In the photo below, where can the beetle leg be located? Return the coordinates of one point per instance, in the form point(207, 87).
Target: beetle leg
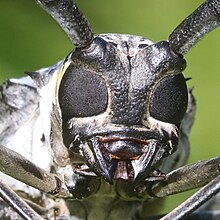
point(13, 164)
point(195, 201)
point(17, 203)
point(204, 215)
point(187, 177)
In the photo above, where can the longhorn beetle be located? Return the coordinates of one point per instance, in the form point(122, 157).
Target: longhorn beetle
point(110, 121)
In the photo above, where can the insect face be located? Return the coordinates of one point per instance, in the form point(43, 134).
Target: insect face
point(116, 110)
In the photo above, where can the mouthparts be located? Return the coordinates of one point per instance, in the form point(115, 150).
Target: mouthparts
point(127, 158)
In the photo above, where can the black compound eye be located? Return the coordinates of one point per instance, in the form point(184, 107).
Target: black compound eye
point(169, 99)
point(82, 93)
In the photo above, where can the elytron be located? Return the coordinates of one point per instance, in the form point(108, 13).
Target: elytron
point(110, 123)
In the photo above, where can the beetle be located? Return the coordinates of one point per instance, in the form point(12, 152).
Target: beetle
point(132, 139)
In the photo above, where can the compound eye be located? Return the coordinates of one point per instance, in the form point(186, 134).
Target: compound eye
point(82, 93)
point(169, 99)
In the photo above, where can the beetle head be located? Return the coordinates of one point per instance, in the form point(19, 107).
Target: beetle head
point(122, 100)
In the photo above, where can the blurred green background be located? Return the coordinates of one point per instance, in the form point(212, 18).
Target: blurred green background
point(30, 39)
